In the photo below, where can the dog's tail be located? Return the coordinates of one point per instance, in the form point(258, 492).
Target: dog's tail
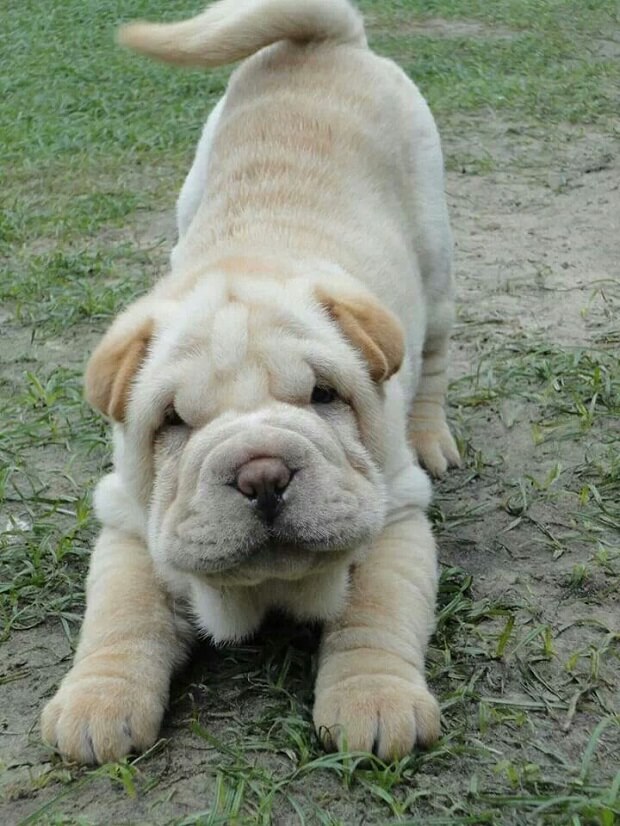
point(233, 29)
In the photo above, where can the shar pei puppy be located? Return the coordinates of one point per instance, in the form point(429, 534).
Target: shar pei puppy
point(271, 395)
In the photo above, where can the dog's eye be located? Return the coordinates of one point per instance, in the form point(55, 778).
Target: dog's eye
point(172, 418)
point(323, 395)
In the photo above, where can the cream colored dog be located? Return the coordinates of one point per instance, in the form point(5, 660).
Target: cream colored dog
point(263, 392)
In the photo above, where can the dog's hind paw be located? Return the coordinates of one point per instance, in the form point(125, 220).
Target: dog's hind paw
point(435, 446)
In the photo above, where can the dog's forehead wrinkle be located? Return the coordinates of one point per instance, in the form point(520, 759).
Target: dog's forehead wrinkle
point(229, 336)
point(292, 380)
point(247, 389)
point(241, 353)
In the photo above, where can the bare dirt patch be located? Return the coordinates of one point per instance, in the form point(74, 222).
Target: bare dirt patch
point(538, 245)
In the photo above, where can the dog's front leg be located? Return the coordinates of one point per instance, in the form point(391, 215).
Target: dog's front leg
point(112, 701)
point(371, 692)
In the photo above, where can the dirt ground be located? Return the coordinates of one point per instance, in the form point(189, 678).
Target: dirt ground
point(537, 248)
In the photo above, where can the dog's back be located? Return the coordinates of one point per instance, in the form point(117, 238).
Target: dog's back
point(315, 132)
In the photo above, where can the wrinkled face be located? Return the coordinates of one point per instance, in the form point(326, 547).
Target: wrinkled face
point(254, 432)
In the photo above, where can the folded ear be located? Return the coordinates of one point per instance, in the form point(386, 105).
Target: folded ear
point(112, 368)
point(371, 328)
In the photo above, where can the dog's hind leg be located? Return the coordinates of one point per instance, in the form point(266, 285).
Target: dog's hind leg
point(432, 239)
point(429, 433)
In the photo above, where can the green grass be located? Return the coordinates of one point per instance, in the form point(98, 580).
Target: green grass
point(530, 60)
point(526, 656)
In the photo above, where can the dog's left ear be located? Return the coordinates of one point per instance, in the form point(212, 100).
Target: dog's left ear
point(371, 328)
point(113, 366)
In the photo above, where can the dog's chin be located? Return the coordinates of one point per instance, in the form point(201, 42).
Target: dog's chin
point(271, 559)
point(231, 605)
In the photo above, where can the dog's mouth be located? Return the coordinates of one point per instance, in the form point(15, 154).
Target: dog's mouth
point(271, 518)
point(275, 556)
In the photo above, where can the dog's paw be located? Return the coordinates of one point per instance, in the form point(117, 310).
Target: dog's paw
point(385, 715)
point(436, 448)
point(98, 719)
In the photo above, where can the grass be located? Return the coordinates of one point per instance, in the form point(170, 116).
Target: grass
point(525, 659)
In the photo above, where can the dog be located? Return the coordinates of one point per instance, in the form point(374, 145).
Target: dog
point(271, 397)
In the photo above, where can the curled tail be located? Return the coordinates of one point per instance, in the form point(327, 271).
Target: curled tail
point(234, 29)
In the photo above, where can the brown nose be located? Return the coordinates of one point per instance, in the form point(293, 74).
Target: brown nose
point(263, 481)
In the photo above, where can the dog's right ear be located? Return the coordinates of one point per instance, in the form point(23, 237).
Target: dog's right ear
point(113, 367)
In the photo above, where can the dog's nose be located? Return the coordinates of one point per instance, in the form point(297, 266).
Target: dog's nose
point(264, 481)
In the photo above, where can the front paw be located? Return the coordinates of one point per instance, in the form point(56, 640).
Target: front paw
point(383, 714)
point(435, 447)
point(98, 719)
